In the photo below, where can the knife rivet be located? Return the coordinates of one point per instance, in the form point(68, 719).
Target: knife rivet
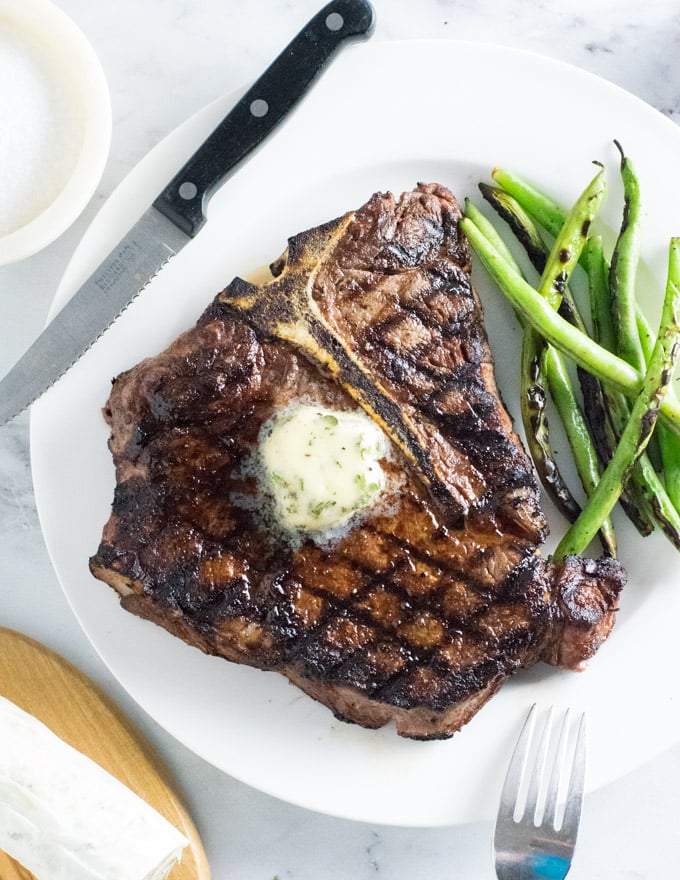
point(187, 190)
point(259, 107)
point(334, 21)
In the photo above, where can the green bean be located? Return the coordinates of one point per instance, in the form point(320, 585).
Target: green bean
point(670, 457)
point(635, 498)
point(635, 340)
point(657, 498)
point(578, 436)
point(521, 225)
point(646, 499)
point(603, 333)
point(622, 275)
point(537, 437)
point(525, 231)
point(559, 264)
point(536, 429)
point(669, 444)
point(643, 482)
point(489, 231)
point(623, 269)
point(640, 426)
point(634, 336)
point(534, 418)
point(569, 243)
point(541, 208)
point(570, 340)
point(533, 397)
point(598, 291)
point(646, 335)
point(601, 444)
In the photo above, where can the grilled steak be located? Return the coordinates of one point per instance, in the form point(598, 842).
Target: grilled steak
point(420, 611)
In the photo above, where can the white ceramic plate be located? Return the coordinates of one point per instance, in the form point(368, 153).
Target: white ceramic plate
point(384, 116)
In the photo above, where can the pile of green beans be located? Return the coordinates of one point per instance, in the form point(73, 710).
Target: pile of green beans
point(623, 373)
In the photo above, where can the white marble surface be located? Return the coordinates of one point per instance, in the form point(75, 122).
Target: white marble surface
point(164, 60)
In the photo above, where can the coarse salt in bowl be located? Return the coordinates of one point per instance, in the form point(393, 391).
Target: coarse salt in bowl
point(55, 128)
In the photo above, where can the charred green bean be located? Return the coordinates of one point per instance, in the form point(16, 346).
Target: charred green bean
point(559, 265)
point(623, 270)
point(640, 426)
point(536, 426)
point(542, 210)
point(576, 429)
point(635, 497)
point(537, 372)
point(601, 442)
point(570, 340)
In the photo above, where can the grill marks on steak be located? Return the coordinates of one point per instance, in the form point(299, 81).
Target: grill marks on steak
point(420, 613)
point(381, 299)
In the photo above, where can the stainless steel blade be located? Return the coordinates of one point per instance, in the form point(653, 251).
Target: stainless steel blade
point(151, 242)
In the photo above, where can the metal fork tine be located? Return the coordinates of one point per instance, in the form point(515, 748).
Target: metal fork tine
point(572, 813)
point(522, 848)
point(513, 778)
point(538, 769)
point(550, 812)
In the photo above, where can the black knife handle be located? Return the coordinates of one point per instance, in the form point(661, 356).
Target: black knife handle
point(260, 110)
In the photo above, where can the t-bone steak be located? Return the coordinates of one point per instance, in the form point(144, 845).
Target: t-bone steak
point(421, 610)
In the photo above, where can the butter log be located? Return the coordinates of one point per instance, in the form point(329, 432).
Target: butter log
point(65, 818)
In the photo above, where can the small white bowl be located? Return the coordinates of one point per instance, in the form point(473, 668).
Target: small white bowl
point(55, 39)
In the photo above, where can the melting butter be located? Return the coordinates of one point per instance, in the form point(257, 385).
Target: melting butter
point(322, 466)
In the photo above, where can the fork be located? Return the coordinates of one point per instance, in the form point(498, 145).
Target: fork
point(533, 839)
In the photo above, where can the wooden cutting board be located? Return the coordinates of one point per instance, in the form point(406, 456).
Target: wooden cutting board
point(44, 684)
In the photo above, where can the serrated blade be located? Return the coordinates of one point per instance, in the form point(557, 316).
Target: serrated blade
point(140, 255)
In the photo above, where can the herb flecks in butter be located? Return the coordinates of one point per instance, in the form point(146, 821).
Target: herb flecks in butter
point(322, 466)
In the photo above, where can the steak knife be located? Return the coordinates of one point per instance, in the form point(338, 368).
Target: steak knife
point(179, 212)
